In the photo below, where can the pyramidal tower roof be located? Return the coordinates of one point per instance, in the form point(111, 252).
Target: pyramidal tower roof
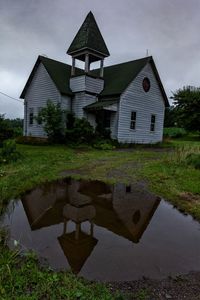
point(89, 37)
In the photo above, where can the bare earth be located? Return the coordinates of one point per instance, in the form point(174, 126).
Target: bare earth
point(184, 287)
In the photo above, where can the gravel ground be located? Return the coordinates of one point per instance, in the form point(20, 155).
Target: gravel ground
point(182, 287)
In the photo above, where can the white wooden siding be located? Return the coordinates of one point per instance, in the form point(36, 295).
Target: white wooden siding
point(86, 83)
point(66, 103)
point(145, 104)
point(40, 90)
point(81, 100)
point(94, 85)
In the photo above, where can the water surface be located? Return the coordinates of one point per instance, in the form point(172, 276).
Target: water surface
point(104, 232)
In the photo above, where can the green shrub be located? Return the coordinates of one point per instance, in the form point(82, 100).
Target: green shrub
point(9, 152)
point(174, 132)
point(6, 132)
point(193, 159)
point(70, 119)
point(102, 133)
point(52, 118)
point(82, 132)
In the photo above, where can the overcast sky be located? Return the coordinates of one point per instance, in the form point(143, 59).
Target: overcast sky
point(169, 29)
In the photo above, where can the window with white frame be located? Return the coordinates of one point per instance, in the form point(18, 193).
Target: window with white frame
point(133, 120)
point(153, 123)
point(31, 116)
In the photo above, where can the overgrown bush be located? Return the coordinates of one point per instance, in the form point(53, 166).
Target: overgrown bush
point(9, 152)
point(6, 132)
point(81, 132)
point(62, 126)
point(101, 132)
point(52, 118)
point(70, 119)
point(10, 128)
point(174, 132)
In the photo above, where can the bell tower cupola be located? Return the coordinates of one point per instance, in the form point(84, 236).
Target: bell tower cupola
point(88, 46)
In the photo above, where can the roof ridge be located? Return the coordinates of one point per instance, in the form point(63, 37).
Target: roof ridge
point(90, 16)
point(57, 61)
point(122, 63)
point(44, 57)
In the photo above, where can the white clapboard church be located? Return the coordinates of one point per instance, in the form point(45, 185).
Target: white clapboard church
point(129, 97)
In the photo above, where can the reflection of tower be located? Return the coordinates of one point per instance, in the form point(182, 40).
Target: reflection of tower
point(77, 245)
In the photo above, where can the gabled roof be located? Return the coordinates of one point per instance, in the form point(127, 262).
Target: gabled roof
point(116, 77)
point(59, 72)
point(89, 36)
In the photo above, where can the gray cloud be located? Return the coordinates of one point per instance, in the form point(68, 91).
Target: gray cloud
point(169, 29)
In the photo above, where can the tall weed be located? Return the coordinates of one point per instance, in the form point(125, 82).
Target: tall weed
point(9, 152)
point(185, 155)
point(174, 132)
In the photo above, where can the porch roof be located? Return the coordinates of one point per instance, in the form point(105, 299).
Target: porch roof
point(101, 104)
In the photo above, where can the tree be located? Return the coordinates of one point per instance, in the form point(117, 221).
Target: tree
point(170, 117)
point(16, 125)
point(6, 132)
point(53, 119)
point(187, 107)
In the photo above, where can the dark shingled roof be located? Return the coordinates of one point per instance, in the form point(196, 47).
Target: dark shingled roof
point(89, 36)
point(116, 77)
point(59, 72)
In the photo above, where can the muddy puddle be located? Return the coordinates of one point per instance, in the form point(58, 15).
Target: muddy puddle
point(104, 232)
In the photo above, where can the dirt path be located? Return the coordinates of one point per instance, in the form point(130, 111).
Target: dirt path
point(183, 287)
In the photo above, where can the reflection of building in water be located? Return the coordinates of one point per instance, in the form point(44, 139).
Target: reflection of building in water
point(134, 207)
point(61, 202)
point(77, 245)
point(123, 210)
point(44, 205)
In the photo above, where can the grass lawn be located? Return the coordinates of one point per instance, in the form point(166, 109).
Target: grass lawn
point(163, 169)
